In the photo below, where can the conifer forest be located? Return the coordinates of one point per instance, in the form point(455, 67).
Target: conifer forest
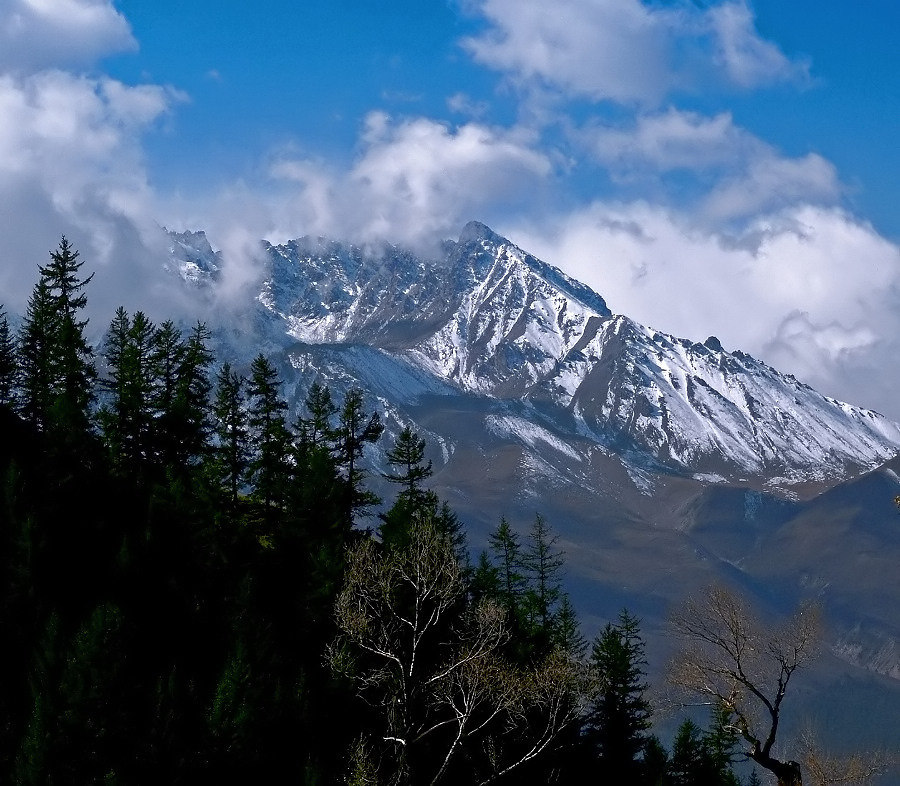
point(196, 588)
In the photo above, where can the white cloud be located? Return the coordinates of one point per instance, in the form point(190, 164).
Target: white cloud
point(626, 51)
point(36, 34)
point(415, 180)
point(770, 181)
point(810, 290)
point(613, 49)
point(671, 140)
point(738, 174)
point(749, 60)
point(71, 162)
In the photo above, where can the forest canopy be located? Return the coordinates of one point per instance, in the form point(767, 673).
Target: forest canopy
point(190, 590)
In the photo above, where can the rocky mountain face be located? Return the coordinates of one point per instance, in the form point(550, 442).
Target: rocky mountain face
point(490, 320)
point(664, 464)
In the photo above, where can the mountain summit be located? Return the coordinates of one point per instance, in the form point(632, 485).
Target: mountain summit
point(490, 320)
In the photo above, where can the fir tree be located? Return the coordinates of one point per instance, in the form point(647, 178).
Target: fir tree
point(129, 416)
point(232, 438)
point(567, 632)
point(8, 362)
point(191, 424)
point(689, 764)
point(720, 741)
point(316, 430)
point(507, 558)
point(269, 436)
point(619, 715)
point(167, 357)
point(408, 455)
point(36, 348)
point(542, 563)
point(72, 366)
point(354, 431)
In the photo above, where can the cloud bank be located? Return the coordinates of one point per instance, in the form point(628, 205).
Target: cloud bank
point(716, 230)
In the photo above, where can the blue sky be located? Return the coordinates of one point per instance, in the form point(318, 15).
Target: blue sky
point(716, 167)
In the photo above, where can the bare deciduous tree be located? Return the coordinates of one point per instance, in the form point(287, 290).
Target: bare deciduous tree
point(433, 666)
point(730, 657)
point(826, 769)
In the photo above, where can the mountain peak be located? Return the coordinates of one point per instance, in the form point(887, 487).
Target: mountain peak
point(475, 231)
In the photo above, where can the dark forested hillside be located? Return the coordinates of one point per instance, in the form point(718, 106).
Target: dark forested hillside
point(187, 595)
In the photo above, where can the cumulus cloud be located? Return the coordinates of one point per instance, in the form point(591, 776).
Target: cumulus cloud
point(71, 162)
point(738, 174)
point(749, 60)
point(770, 181)
point(670, 140)
point(36, 34)
point(415, 180)
point(626, 51)
point(809, 289)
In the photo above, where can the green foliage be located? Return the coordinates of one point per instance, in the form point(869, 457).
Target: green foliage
point(269, 437)
point(542, 564)
point(35, 360)
point(171, 614)
point(232, 446)
point(619, 714)
point(8, 364)
point(354, 431)
point(408, 455)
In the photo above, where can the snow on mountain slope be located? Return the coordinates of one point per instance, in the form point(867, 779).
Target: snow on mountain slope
point(492, 320)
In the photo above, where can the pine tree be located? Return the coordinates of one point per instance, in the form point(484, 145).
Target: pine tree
point(270, 439)
point(8, 362)
point(316, 430)
point(567, 632)
point(689, 765)
point(720, 741)
point(354, 431)
point(129, 416)
point(543, 563)
point(619, 714)
point(191, 425)
point(408, 455)
point(167, 357)
point(232, 438)
point(36, 348)
point(72, 361)
point(507, 557)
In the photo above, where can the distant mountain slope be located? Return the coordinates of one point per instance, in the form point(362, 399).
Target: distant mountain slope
point(663, 464)
point(492, 320)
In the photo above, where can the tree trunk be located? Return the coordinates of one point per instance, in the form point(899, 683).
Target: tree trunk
point(787, 772)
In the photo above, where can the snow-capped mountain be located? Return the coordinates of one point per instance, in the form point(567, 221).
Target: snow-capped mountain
point(492, 320)
point(663, 464)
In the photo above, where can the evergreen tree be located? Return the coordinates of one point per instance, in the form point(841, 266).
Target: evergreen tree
point(655, 763)
point(232, 437)
point(567, 632)
point(542, 563)
point(36, 348)
point(720, 741)
point(72, 366)
point(190, 422)
point(270, 439)
point(353, 432)
point(129, 416)
point(689, 765)
point(8, 362)
point(167, 357)
point(507, 558)
point(316, 430)
point(408, 455)
point(619, 714)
